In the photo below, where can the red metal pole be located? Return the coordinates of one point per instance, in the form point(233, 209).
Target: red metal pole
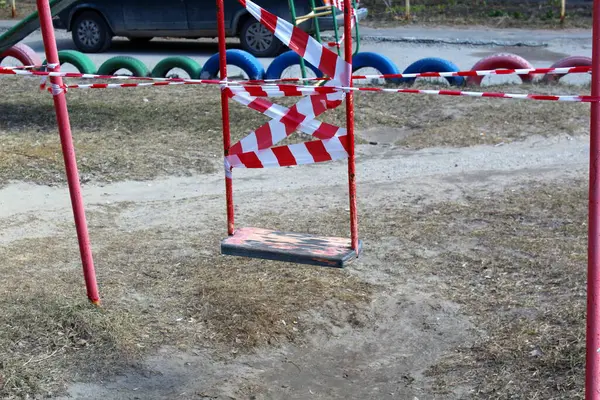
point(66, 140)
point(350, 128)
point(225, 113)
point(592, 387)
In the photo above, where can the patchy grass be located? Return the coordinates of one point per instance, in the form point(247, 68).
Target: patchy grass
point(445, 121)
point(494, 13)
point(24, 8)
point(524, 282)
point(161, 287)
point(516, 263)
point(118, 134)
point(128, 134)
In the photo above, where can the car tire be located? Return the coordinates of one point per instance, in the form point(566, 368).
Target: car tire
point(433, 64)
point(239, 58)
point(23, 53)
point(567, 62)
point(381, 63)
point(284, 61)
point(257, 40)
point(133, 65)
point(80, 61)
point(91, 33)
point(190, 66)
point(500, 61)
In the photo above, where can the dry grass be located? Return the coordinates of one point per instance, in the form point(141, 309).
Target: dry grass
point(24, 8)
point(429, 121)
point(147, 133)
point(118, 134)
point(161, 287)
point(494, 13)
point(516, 263)
point(497, 13)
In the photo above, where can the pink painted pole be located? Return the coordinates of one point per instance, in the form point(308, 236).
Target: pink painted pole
point(350, 128)
point(225, 113)
point(592, 387)
point(66, 140)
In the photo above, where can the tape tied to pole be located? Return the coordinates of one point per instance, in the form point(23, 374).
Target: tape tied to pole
point(55, 67)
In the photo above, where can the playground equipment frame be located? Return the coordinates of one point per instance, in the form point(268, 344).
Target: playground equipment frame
point(592, 386)
point(306, 249)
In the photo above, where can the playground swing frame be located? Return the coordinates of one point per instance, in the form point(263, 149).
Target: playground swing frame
point(592, 380)
point(288, 246)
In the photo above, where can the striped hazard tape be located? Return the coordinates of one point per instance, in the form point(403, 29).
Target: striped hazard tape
point(255, 150)
point(286, 121)
point(269, 89)
point(303, 44)
point(292, 90)
point(339, 4)
point(29, 70)
point(295, 154)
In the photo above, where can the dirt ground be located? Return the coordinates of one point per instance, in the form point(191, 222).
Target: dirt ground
point(495, 13)
point(472, 282)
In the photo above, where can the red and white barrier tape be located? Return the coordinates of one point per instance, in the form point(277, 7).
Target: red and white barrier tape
point(287, 120)
point(530, 71)
point(255, 150)
point(561, 71)
point(303, 44)
point(77, 75)
point(295, 154)
point(353, 22)
point(289, 90)
point(339, 4)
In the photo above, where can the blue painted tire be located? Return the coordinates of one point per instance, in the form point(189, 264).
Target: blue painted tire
point(240, 58)
point(286, 60)
point(373, 60)
point(433, 64)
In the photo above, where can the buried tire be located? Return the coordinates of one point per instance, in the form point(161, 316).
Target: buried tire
point(500, 61)
point(23, 53)
point(377, 61)
point(133, 65)
point(286, 60)
point(191, 67)
point(239, 58)
point(573, 61)
point(80, 61)
point(433, 64)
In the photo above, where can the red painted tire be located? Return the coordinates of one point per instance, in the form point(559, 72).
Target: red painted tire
point(500, 61)
point(573, 61)
point(23, 53)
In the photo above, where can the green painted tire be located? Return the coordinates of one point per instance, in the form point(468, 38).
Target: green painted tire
point(191, 67)
point(82, 62)
point(133, 65)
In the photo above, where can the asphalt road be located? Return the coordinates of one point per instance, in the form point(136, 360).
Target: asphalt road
point(403, 45)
